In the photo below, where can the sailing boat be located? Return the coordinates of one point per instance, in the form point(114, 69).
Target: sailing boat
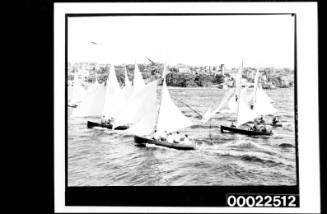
point(112, 102)
point(163, 117)
point(92, 105)
point(134, 100)
point(105, 101)
point(246, 106)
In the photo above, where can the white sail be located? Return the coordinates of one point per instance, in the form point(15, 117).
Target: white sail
point(92, 88)
point(78, 92)
point(127, 82)
point(93, 104)
point(147, 111)
point(128, 89)
point(263, 105)
point(138, 82)
point(254, 105)
point(256, 86)
point(232, 105)
point(134, 96)
point(114, 96)
point(229, 103)
point(244, 103)
point(166, 117)
point(223, 107)
point(134, 110)
point(245, 113)
point(170, 118)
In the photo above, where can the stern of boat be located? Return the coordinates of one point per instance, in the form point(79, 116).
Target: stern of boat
point(139, 141)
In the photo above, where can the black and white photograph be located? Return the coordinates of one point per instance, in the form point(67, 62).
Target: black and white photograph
point(186, 99)
point(181, 100)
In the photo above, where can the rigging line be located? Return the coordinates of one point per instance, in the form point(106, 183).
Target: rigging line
point(210, 131)
point(190, 108)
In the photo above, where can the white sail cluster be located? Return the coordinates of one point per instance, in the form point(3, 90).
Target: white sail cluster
point(244, 103)
point(76, 92)
point(106, 99)
point(135, 105)
point(164, 116)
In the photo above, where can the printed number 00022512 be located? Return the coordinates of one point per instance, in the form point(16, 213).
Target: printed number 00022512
point(262, 201)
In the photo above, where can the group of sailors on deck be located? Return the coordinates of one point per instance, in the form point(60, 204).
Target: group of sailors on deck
point(260, 124)
point(106, 122)
point(171, 137)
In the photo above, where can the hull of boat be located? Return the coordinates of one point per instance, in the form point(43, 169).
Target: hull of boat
point(91, 124)
point(243, 131)
point(143, 140)
point(73, 106)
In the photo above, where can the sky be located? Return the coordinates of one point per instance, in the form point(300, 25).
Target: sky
point(260, 40)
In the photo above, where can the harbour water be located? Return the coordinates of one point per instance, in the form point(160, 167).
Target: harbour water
point(100, 157)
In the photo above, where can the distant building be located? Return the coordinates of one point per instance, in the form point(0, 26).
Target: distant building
point(184, 70)
point(222, 69)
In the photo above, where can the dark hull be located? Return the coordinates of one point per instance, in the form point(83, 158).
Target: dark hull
point(94, 124)
point(73, 106)
point(243, 131)
point(143, 140)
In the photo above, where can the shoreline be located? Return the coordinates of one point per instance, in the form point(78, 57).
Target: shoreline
point(176, 87)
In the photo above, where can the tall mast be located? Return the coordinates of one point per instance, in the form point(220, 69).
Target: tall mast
point(238, 90)
point(163, 83)
point(256, 86)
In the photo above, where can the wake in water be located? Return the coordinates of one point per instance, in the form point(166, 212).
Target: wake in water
point(102, 157)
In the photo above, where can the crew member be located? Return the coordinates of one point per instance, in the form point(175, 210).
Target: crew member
point(177, 137)
point(275, 120)
point(156, 135)
point(170, 138)
point(254, 127)
point(109, 122)
point(261, 120)
point(232, 125)
point(164, 136)
point(103, 120)
point(264, 128)
point(187, 140)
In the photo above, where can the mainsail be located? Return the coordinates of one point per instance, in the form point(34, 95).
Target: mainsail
point(223, 107)
point(257, 104)
point(260, 102)
point(244, 113)
point(93, 104)
point(229, 103)
point(134, 98)
point(78, 92)
point(170, 118)
point(147, 110)
point(138, 82)
point(114, 96)
point(128, 89)
point(165, 117)
point(244, 104)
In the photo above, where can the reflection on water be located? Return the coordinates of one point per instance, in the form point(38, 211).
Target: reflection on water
point(98, 157)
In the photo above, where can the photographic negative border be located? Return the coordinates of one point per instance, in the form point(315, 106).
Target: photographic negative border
point(178, 195)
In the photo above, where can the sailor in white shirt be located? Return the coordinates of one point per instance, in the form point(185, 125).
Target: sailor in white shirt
point(170, 138)
point(103, 120)
point(187, 140)
point(164, 136)
point(156, 135)
point(177, 137)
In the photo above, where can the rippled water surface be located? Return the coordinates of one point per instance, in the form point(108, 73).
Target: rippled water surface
point(99, 157)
